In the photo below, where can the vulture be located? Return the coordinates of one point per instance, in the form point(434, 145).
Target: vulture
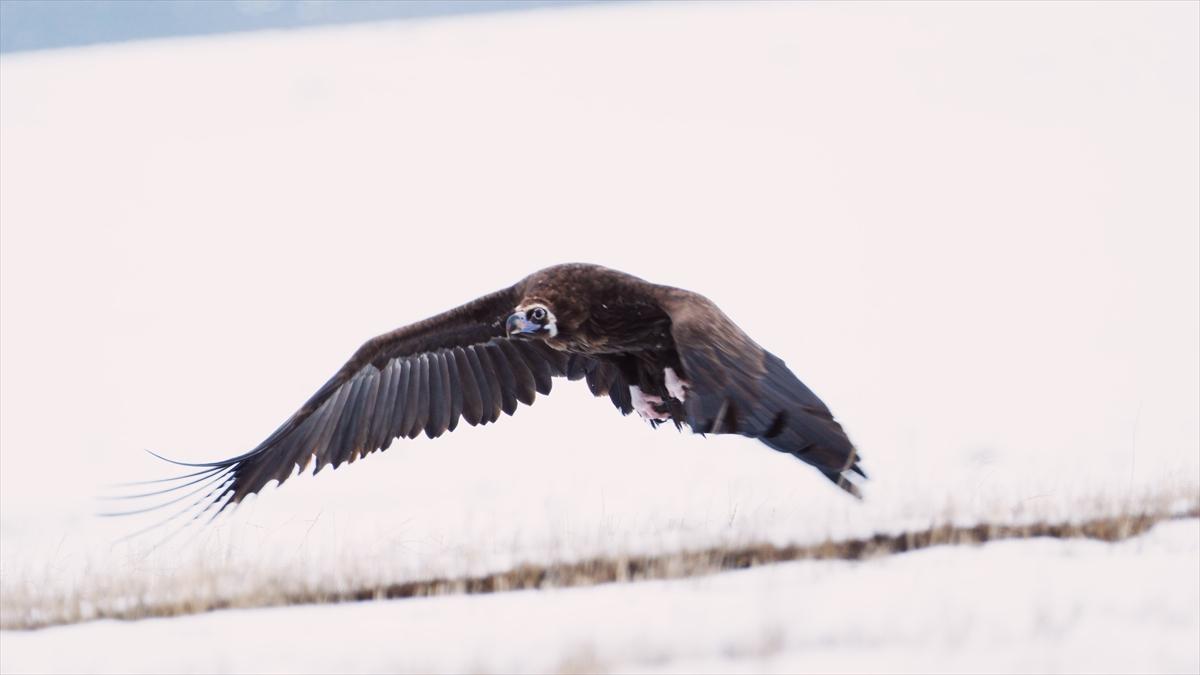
point(668, 354)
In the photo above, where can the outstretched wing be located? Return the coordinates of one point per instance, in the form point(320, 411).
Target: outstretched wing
point(739, 387)
point(421, 378)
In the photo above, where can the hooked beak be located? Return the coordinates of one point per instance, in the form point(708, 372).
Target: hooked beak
point(517, 324)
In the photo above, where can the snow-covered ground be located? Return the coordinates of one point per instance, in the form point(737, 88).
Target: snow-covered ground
point(972, 229)
point(1019, 606)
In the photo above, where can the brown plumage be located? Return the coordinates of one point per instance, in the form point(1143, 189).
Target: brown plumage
point(669, 353)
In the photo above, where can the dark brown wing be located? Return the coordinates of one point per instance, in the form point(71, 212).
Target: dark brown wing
point(739, 387)
point(421, 378)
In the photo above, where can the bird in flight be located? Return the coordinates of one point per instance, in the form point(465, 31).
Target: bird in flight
point(666, 353)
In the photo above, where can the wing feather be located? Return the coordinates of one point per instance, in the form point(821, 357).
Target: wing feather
point(539, 367)
point(381, 417)
point(620, 397)
point(342, 434)
point(439, 397)
point(451, 384)
point(422, 417)
point(291, 448)
point(739, 387)
point(489, 384)
point(302, 451)
point(504, 377)
point(524, 387)
point(412, 369)
point(472, 401)
point(366, 422)
point(359, 410)
point(600, 379)
point(578, 366)
point(400, 410)
point(321, 450)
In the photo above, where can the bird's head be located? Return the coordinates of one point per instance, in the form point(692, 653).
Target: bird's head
point(532, 320)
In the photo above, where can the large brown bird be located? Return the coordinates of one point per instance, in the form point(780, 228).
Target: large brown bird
point(666, 353)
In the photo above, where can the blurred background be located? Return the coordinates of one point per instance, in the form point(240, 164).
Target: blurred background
point(972, 228)
point(46, 24)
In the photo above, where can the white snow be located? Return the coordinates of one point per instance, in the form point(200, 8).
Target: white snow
point(971, 229)
point(1019, 606)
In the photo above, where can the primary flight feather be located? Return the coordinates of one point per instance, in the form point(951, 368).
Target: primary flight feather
point(666, 353)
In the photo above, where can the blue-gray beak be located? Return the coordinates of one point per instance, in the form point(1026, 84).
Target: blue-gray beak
point(517, 324)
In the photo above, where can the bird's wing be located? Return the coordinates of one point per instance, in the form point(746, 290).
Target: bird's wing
point(422, 377)
point(739, 387)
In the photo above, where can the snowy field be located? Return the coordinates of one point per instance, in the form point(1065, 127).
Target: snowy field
point(1021, 606)
point(972, 229)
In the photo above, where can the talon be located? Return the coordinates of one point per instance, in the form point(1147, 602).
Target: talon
point(676, 387)
point(646, 405)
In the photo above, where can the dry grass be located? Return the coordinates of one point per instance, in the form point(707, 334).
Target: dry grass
point(203, 597)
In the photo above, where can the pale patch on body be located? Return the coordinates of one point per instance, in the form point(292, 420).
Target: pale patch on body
point(644, 404)
point(676, 386)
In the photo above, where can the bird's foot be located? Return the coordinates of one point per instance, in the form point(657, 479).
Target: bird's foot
point(676, 387)
point(647, 405)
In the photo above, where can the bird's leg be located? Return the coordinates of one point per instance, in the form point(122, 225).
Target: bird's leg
point(645, 404)
point(676, 387)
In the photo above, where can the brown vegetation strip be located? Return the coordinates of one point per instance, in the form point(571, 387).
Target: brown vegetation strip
point(708, 561)
point(639, 568)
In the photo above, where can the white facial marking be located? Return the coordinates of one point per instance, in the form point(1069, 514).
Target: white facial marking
point(644, 405)
point(675, 386)
point(551, 325)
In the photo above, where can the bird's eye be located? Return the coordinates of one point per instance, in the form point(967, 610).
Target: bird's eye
point(537, 314)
